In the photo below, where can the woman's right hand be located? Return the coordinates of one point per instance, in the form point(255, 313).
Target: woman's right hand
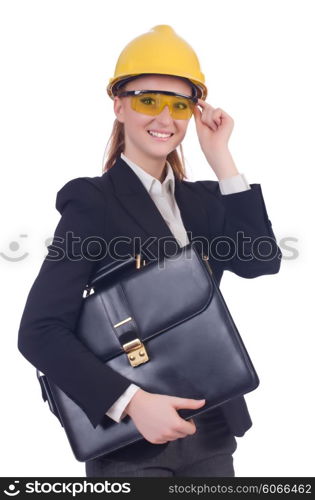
point(156, 418)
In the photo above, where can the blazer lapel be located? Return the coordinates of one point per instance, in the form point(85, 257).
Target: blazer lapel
point(193, 212)
point(136, 200)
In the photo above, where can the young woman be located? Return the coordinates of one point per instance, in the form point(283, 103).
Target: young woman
point(141, 194)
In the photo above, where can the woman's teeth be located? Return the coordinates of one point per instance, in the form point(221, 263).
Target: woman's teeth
point(158, 134)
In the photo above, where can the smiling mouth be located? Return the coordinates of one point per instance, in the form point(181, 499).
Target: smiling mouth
point(160, 136)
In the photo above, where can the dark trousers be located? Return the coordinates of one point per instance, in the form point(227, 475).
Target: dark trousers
point(207, 453)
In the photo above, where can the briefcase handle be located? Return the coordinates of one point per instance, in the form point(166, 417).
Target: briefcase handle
point(112, 269)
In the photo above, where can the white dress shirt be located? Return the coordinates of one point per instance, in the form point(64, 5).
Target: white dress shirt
point(163, 195)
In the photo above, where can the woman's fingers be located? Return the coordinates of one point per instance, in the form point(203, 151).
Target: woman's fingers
point(209, 115)
point(201, 119)
point(217, 118)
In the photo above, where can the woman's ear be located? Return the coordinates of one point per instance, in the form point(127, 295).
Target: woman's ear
point(119, 109)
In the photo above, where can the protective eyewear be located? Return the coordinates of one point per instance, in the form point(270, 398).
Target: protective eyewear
point(152, 102)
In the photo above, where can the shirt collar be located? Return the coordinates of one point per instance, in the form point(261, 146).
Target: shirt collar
point(153, 185)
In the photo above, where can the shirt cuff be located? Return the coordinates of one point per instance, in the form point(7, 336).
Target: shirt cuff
point(117, 410)
point(234, 184)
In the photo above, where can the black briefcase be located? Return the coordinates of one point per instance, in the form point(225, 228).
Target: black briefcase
point(166, 327)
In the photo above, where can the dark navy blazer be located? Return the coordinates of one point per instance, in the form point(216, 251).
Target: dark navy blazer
point(115, 205)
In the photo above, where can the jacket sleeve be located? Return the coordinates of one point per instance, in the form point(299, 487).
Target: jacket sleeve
point(248, 245)
point(46, 333)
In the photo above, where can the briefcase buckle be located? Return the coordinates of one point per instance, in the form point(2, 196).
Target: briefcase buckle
point(136, 351)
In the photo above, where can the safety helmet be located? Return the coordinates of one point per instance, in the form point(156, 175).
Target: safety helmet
point(159, 51)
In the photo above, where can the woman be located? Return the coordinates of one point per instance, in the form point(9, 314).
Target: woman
point(143, 194)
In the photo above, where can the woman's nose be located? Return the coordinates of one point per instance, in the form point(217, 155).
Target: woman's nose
point(165, 114)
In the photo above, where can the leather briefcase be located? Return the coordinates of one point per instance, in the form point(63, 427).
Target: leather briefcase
point(166, 327)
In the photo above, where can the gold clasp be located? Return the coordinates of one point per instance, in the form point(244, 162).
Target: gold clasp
point(136, 351)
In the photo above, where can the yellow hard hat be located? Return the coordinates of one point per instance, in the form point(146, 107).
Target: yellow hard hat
point(160, 51)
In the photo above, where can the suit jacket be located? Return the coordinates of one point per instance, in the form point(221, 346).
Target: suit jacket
point(113, 215)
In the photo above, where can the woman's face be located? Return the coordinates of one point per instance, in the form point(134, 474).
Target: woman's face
point(138, 141)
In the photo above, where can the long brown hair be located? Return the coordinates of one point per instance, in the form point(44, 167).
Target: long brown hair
point(116, 145)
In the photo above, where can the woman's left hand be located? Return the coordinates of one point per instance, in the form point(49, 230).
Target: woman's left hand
point(214, 127)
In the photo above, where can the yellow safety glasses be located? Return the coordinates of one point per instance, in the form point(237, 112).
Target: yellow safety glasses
point(152, 102)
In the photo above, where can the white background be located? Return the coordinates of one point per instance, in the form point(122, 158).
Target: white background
point(56, 117)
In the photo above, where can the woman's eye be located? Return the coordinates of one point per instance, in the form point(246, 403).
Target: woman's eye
point(147, 100)
point(180, 105)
